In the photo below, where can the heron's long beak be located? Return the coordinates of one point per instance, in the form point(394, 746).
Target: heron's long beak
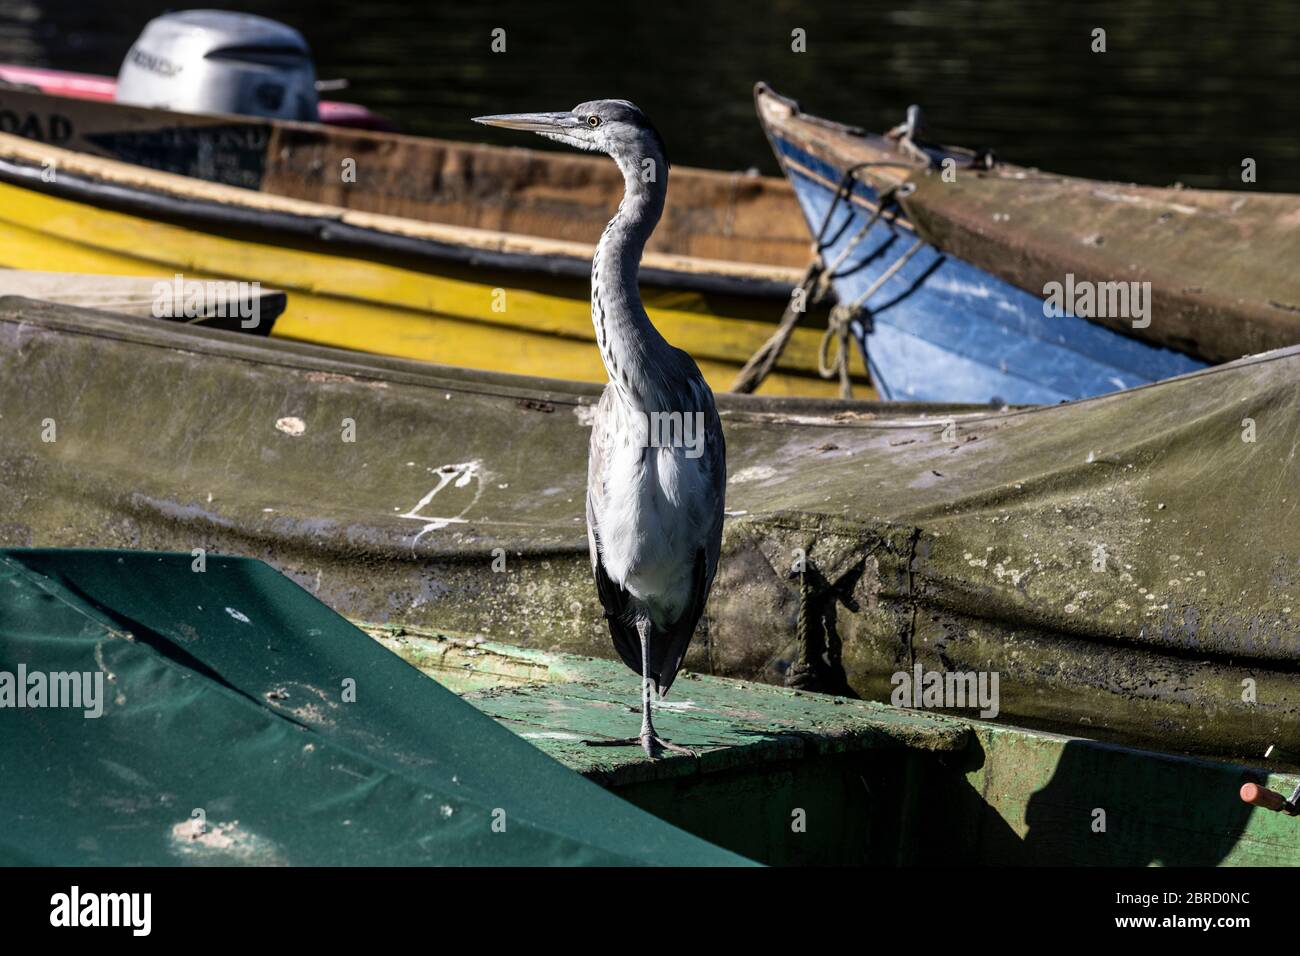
point(534, 122)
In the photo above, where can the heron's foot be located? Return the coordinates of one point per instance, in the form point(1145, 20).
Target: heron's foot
point(652, 744)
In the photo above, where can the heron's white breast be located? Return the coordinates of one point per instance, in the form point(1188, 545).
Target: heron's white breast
point(652, 523)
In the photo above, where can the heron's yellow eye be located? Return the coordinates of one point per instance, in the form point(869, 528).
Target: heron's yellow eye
point(593, 120)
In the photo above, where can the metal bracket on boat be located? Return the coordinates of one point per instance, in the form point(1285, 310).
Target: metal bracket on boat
point(904, 133)
point(1258, 796)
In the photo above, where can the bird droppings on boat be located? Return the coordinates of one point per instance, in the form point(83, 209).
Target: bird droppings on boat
point(291, 426)
point(198, 842)
point(680, 706)
point(458, 475)
point(329, 377)
point(1002, 572)
point(752, 473)
point(585, 414)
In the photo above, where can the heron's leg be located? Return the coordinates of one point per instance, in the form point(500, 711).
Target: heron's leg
point(647, 728)
point(650, 741)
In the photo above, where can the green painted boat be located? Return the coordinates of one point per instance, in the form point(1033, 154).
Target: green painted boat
point(1127, 565)
point(791, 778)
point(241, 722)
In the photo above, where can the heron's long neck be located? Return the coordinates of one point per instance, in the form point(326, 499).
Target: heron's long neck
point(629, 344)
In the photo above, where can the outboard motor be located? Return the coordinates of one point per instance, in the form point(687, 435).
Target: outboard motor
point(212, 61)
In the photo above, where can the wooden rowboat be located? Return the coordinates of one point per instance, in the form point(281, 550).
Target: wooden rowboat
point(905, 787)
point(948, 259)
point(1124, 562)
point(460, 254)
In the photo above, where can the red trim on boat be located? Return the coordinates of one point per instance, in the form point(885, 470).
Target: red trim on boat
point(88, 86)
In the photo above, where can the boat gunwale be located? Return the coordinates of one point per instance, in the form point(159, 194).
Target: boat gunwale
point(308, 357)
point(118, 186)
point(879, 149)
point(311, 357)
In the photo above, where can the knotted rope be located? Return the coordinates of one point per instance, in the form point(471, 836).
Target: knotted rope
point(815, 285)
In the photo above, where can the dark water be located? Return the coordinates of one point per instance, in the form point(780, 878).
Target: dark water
point(1185, 91)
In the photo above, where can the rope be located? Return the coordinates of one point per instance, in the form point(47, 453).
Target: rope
point(761, 362)
point(814, 286)
point(817, 278)
point(804, 624)
point(838, 327)
point(837, 331)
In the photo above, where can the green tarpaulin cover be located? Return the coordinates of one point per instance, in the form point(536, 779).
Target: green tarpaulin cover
point(228, 735)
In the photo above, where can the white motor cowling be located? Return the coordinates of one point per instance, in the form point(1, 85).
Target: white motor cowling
point(213, 61)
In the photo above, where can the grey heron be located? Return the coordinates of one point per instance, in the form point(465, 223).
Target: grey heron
point(656, 472)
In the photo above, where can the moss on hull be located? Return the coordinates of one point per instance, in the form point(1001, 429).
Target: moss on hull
point(1124, 563)
point(869, 783)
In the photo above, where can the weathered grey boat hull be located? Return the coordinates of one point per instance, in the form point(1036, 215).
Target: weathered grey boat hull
point(1124, 563)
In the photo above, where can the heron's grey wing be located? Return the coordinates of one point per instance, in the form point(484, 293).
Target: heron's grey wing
point(668, 647)
point(613, 598)
point(672, 643)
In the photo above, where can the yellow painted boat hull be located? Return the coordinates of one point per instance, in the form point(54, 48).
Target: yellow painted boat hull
point(483, 295)
point(475, 319)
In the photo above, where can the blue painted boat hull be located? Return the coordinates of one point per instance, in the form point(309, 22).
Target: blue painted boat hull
point(942, 329)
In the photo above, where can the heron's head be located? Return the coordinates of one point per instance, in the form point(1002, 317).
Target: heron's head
point(615, 127)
